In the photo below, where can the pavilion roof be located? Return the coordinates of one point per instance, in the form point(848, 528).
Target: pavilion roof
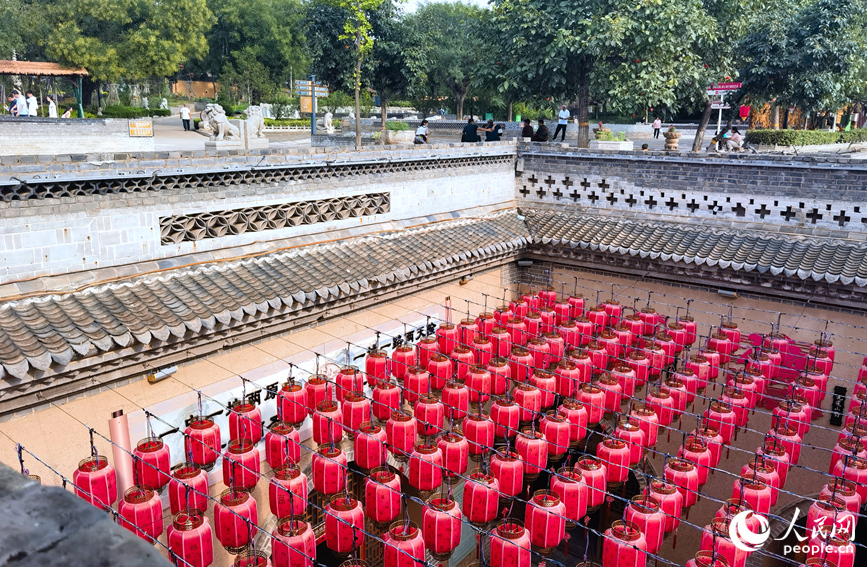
point(39, 68)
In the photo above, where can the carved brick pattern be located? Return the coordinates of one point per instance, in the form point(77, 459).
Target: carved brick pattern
point(115, 182)
point(216, 224)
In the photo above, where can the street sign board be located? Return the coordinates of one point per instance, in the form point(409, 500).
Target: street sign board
point(719, 105)
point(141, 128)
point(306, 104)
point(726, 86)
point(308, 92)
point(299, 84)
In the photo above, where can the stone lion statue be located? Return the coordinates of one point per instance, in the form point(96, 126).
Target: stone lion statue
point(255, 122)
point(222, 129)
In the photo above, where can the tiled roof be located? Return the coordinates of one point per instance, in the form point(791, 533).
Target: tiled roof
point(38, 332)
point(794, 256)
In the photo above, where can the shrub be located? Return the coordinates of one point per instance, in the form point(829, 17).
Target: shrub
point(282, 105)
point(287, 122)
point(396, 126)
point(804, 137)
point(133, 112)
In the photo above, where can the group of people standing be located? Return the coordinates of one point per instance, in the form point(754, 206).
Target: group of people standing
point(493, 132)
point(21, 105)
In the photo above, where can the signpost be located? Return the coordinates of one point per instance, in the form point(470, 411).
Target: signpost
point(309, 91)
point(720, 90)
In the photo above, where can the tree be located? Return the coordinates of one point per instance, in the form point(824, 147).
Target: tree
point(12, 25)
point(631, 54)
point(247, 76)
point(330, 60)
point(394, 54)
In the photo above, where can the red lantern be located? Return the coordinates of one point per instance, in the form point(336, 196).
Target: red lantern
point(427, 347)
point(695, 451)
point(241, 464)
point(713, 361)
point(721, 417)
point(556, 346)
point(479, 431)
point(440, 369)
point(788, 438)
point(293, 544)
point(231, 514)
point(678, 335)
point(329, 470)
point(547, 385)
point(670, 501)
point(429, 415)
point(355, 410)
point(715, 538)
point(845, 491)
point(854, 469)
point(593, 399)
point(456, 398)
point(441, 527)
point(401, 433)
point(517, 328)
point(849, 446)
point(478, 383)
point(555, 428)
point(188, 475)
point(467, 331)
point(836, 549)
point(370, 446)
point(615, 453)
point(721, 344)
point(699, 365)
point(287, 491)
point(598, 356)
point(510, 546)
point(659, 400)
point(534, 452)
point(713, 440)
point(141, 512)
point(624, 546)
point(386, 399)
point(402, 359)
point(647, 421)
point(463, 358)
point(684, 475)
point(327, 423)
point(739, 403)
point(282, 445)
point(403, 545)
point(689, 379)
point(612, 345)
point(829, 515)
point(447, 338)
point(734, 506)
point(634, 438)
point(584, 364)
point(593, 472)
point(245, 422)
point(541, 353)
point(202, 442)
point(317, 389)
point(483, 350)
point(599, 317)
point(190, 538)
point(502, 342)
point(425, 468)
point(529, 399)
point(613, 392)
point(576, 302)
point(348, 380)
point(567, 378)
point(508, 469)
point(644, 512)
point(485, 323)
point(344, 525)
point(521, 364)
point(576, 414)
point(480, 498)
point(501, 375)
point(152, 463)
point(506, 416)
point(376, 366)
point(382, 496)
point(776, 456)
point(455, 450)
point(570, 487)
point(755, 492)
point(545, 518)
point(571, 333)
point(679, 394)
point(416, 383)
point(759, 469)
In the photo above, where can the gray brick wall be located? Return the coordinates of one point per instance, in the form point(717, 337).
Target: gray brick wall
point(32, 137)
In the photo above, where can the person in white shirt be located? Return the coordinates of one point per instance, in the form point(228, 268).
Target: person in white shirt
point(20, 104)
point(657, 124)
point(421, 133)
point(52, 107)
point(185, 117)
point(32, 104)
point(561, 124)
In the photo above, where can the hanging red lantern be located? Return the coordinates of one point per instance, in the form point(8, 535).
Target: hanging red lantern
point(327, 423)
point(401, 432)
point(755, 492)
point(734, 506)
point(739, 403)
point(520, 364)
point(481, 495)
point(382, 495)
point(684, 475)
point(456, 399)
point(479, 431)
point(829, 515)
point(567, 378)
point(427, 347)
point(403, 358)
point(416, 384)
point(555, 428)
point(533, 449)
point(584, 364)
point(282, 444)
point(376, 365)
point(506, 416)
point(679, 394)
point(731, 331)
point(141, 512)
point(483, 350)
point(429, 415)
point(576, 302)
point(467, 331)
point(659, 400)
point(793, 415)
point(699, 365)
point(192, 476)
point(845, 447)
point(508, 469)
point(455, 451)
point(517, 328)
point(854, 469)
point(540, 351)
point(625, 340)
point(502, 342)
point(152, 463)
point(533, 325)
point(562, 312)
point(190, 538)
point(370, 446)
point(573, 493)
point(441, 528)
point(625, 376)
point(614, 310)
point(665, 342)
point(545, 518)
point(548, 297)
point(355, 410)
point(403, 545)
point(202, 442)
point(529, 399)
point(485, 323)
point(635, 326)
point(463, 358)
point(510, 546)
point(547, 385)
point(689, 379)
point(593, 399)
point(647, 421)
point(651, 319)
point(245, 422)
point(521, 307)
point(670, 501)
point(502, 314)
point(287, 491)
point(613, 392)
point(615, 454)
point(293, 544)
point(691, 327)
point(348, 380)
point(713, 361)
point(594, 474)
point(478, 383)
point(329, 469)
point(623, 546)
point(344, 525)
point(440, 370)
point(678, 335)
point(571, 333)
point(425, 468)
point(721, 417)
point(715, 538)
point(836, 549)
point(695, 451)
point(758, 468)
point(598, 356)
point(576, 414)
point(714, 441)
point(640, 365)
point(241, 464)
point(317, 390)
point(386, 399)
point(501, 375)
point(633, 436)
point(644, 512)
point(845, 491)
point(721, 344)
point(776, 456)
point(556, 346)
point(599, 317)
point(231, 514)
point(746, 384)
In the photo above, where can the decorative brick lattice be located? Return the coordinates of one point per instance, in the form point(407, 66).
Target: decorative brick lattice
point(215, 224)
point(117, 182)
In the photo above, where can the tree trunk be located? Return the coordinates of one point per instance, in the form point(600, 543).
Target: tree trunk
point(459, 100)
point(702, 126)
point(786, 119)
point(358, 97)
point(775, 117)
point(383, 111)
point(583, 114)
point(510, 111)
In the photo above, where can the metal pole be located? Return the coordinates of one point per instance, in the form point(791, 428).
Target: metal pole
point(313, 103)
point(722, 97)
point(80, 98)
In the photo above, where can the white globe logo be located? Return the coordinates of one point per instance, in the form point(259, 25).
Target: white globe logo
point(743, 537)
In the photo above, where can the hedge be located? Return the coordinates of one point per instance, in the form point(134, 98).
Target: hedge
point(804, 137)
point(287, 122)
point(133, 112)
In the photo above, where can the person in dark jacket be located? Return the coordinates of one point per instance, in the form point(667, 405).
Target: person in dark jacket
point(527, 131)
point(541, 134)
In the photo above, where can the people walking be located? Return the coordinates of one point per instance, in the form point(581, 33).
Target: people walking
point(20, 104)
point(542, 132)
point(562, 122)
point(52, 107)
point(657, 124)
point(32, 104)
point(185, 117)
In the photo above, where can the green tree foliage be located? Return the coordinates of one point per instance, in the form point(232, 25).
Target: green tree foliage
point(394, 56)
point(246, 77)
point(12, 25)
point(331, 59)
